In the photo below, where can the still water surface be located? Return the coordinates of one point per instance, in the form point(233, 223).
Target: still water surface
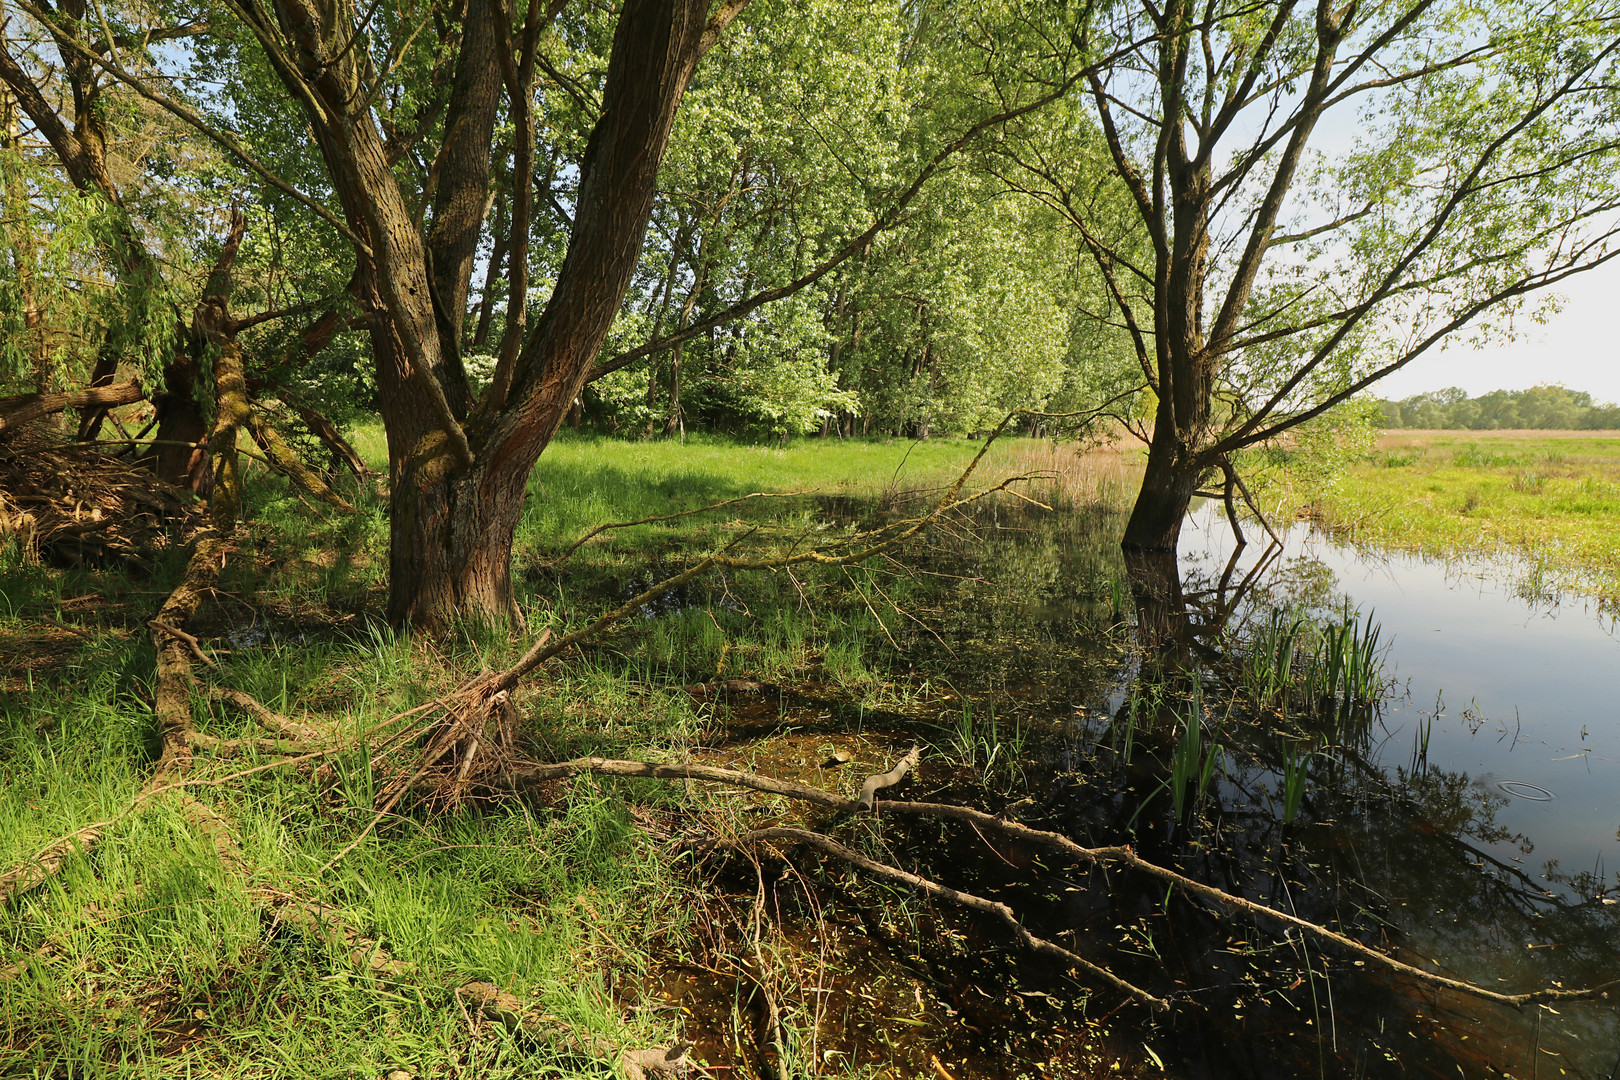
point(1519, 695)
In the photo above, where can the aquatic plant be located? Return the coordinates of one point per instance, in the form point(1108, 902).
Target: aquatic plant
point(1332, 671)
point(996, 755)
point(1294, 775)
point(1188, 762)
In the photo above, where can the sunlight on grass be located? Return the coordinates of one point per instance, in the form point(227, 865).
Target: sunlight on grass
point(1553, 500)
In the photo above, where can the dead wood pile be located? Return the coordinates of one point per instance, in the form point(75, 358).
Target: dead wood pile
point(69, 502)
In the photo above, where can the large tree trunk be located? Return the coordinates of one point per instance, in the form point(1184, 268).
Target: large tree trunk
point(458, 480)
point(1165, 497)
point(451, 548)
point(452, 528)
point(179, 454)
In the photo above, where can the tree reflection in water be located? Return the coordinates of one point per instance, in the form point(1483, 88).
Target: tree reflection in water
point(1408, 858)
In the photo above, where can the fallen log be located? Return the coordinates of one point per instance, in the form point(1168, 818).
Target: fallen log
point(26, 408)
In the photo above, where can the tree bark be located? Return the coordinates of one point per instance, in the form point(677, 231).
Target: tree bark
point(457, 489)
point(17, 411)
point(452, 529)
point(461, 194)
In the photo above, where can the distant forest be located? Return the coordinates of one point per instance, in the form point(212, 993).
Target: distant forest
point(1537, 407)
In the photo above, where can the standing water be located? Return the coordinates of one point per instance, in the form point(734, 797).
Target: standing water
point(1499, 746)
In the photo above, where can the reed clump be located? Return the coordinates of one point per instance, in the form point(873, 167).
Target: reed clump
point(1329, 670)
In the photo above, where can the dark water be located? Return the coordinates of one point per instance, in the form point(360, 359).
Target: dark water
point(1470, 825)
point(1496, 846)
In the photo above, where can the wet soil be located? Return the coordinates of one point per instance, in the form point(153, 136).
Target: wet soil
point(806, 970)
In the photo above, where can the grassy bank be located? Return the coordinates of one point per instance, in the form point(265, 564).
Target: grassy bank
point(1550, 500)
point(183, 945)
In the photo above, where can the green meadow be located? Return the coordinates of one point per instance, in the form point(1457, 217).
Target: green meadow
point(183, 945)
point(1550, 501)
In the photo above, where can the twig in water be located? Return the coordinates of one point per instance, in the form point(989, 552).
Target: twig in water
point(955, 896)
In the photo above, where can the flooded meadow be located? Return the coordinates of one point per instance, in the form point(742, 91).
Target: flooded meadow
point(1459, 812)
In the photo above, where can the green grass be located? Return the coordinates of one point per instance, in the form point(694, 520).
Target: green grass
point(1553, 502)
point(153, 956)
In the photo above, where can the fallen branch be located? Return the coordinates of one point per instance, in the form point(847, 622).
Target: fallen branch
point(20, 410)
point(1116, 855)
point(600, 529)
point(1124, 856)
point(956, 896)
point(652, 770)
point(188, 640)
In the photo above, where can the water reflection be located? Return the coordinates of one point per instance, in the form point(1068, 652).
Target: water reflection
point(1539, 717)
point(1483, 838)
point(1466, 823)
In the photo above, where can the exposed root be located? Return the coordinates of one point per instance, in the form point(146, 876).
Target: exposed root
point(48, 863)
point(875, 784)
point(288, 728)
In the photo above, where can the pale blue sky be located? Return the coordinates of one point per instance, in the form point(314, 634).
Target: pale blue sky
point(1579, 347)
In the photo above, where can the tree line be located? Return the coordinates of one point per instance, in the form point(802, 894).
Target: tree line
point(1546, 407)
point(478, 221)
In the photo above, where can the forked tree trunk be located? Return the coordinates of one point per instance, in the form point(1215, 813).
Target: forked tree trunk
point(1162, 503)
point(451, 549)
point(451, 525)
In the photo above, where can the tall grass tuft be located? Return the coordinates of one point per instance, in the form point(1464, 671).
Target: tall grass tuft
point(1189, 763)
point(1333, 670)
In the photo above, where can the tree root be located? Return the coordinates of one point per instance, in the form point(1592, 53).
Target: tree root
point(875, 784)
point(48, 863)
point(269, 719)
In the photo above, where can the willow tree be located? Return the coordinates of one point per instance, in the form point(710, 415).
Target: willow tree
point(1319, 194)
